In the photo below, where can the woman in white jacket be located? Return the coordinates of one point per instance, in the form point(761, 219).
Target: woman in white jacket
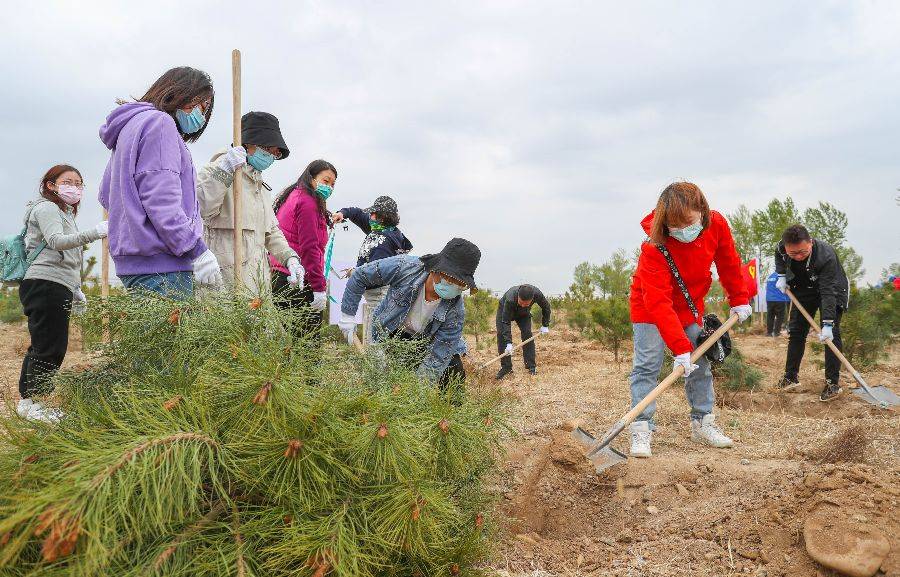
point(52, 283)
point(263, 145)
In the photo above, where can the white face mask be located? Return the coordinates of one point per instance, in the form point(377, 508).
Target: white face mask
point(69, 194)
point(688, 233)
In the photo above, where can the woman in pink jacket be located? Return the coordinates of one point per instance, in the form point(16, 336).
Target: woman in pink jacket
point(305, 220)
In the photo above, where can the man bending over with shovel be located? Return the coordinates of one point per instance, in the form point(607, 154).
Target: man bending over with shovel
point(516, 306)
point(811, 269)
point(670, 283)
point(423, 302)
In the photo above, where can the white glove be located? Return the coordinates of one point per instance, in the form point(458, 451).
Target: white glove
point(684, 360)
point(206, 269)
point(319, 300)
point(545, 330)
point(827, 333)
point(234, 158)
point(347, 324)
point(79, 301)
point(296, 270)
point(742, 311)
point(781, 283)
point(102, 228)
point(509, 349)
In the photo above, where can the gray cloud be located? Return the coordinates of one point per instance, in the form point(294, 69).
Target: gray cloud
point(541, 131)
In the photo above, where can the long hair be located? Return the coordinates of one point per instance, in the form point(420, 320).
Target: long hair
point(178, 88)
point(50, 177)
point(304, 184)
point(675, 204)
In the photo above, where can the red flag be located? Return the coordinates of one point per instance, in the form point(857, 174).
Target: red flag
point(749, 271)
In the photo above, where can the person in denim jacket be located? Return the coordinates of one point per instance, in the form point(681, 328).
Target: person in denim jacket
point(423, 302)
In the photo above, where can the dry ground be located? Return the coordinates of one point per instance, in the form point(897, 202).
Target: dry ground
point(689, 510)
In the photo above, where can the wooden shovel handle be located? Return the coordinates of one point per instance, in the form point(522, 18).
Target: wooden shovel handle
point(104, 276)
point(678, 372)
point(497, 358)
point(815, 326)
point(238, 184)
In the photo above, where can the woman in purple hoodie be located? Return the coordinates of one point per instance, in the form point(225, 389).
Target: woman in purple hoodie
point(155, 227)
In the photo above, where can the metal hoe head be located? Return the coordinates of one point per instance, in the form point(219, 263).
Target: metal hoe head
point(598, 452)
point(880, 396)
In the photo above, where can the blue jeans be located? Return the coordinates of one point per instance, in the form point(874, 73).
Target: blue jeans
point(649, 353)
point(173, 285)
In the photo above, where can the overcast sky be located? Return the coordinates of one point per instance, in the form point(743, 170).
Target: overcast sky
point(542, 131)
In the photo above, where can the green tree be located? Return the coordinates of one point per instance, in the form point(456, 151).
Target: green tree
point(825, 222)
point(612, 323)
point(481, 306)
point(209, 440)
point(613, 278)
point(597, 301)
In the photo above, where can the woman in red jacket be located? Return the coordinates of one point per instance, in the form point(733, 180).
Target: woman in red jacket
point(305, 220)
point(696, 237)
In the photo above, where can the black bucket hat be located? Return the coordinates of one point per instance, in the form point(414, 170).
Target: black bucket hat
point(262, 129)
point(385, 206)
point(458, 259)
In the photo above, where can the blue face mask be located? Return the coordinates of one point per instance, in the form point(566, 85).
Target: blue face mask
point(190, 123)
point(261, 159)
point(686, 234)
point(324, 190)
point(447, 290)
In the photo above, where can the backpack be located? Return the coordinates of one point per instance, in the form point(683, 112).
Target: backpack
point(14, 258)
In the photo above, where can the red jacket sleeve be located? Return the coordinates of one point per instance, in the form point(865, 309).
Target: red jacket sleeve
point(728, 264)
point(312, 254)
point(657, 285)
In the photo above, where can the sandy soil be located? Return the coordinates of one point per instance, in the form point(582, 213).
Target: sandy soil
point(689, 510)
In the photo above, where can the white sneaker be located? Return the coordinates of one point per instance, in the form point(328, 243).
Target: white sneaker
point(24, 408)
point(641, 435)
point(706, 432)
point(36, 411)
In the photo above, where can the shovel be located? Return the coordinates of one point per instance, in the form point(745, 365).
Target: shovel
point(599, 452)
point(497, 358)
point(880, 396)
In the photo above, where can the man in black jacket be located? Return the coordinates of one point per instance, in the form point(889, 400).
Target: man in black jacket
point(812, 270)
point(516, 306)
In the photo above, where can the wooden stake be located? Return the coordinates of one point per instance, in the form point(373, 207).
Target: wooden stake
point(238, 183)
point(104, 277)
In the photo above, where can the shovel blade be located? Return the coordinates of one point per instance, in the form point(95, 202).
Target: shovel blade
point(880, 396)
point(602, 459)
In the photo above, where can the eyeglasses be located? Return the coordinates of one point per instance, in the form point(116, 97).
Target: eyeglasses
point(203, 104)
point(76, 183)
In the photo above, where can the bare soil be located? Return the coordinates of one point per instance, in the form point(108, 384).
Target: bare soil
point(689, 510)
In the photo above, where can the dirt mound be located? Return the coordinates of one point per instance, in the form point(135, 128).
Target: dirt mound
point(844, 543)
point(850, 445)
point(707, 508)
point(798, 403)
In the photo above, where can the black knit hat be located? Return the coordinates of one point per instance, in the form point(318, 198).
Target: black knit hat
point(458, 259)
point(386, 207)
point(262, 129)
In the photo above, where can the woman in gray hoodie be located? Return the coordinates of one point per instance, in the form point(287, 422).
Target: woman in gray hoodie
point(52, 282)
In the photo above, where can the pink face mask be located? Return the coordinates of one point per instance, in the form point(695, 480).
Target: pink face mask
point(69, 194)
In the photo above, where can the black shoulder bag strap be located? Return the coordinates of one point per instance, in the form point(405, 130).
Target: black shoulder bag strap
point(680, 281)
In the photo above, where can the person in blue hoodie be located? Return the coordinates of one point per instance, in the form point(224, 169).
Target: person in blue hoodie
point(148, 188)
point(383, 239)
point(776, 306)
